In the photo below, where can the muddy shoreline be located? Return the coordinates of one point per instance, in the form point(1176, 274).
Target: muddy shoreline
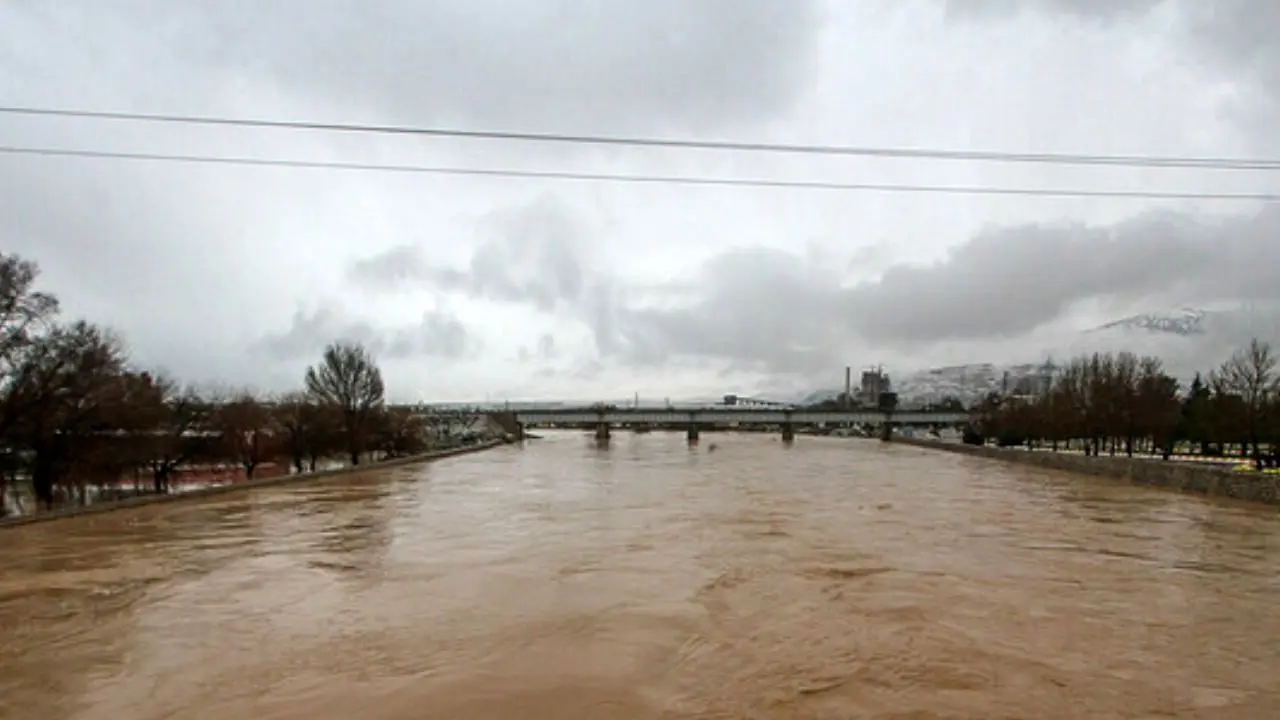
point(143, 500)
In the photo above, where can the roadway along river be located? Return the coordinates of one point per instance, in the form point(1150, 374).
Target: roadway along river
point(833, 579)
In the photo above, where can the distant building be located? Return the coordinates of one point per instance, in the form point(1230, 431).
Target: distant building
point(887, 402)
point(873, 384)
point(730, 400)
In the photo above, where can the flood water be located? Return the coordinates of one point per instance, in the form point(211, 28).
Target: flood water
point(831, 579)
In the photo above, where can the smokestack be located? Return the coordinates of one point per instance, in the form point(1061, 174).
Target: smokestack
point(848, 385)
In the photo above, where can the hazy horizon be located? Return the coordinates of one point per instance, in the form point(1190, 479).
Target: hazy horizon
point(467, 287)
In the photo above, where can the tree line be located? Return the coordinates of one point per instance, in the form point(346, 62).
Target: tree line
point(75, 413)
point(1121, 403)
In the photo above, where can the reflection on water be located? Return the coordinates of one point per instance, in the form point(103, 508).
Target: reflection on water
point(829, 579)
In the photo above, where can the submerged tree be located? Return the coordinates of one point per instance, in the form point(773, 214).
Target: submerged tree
point(245, 432)
point(175, 419)
point(75, 414)
point(68, 380)
point(348, 379)
point(309, 430)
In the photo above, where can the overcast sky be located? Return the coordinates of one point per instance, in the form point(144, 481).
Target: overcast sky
point(497, 288)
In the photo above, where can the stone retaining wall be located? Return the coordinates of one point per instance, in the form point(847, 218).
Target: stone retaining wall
point(237, 487)
point(1174, 475)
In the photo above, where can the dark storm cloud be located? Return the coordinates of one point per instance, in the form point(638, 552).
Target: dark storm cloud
point(515, 64)
point(174, 256)
point(1008, 281)
point(760, 309)
point(396, 266)
point(309, 332)
point(537, 254)
point(780, 312)
point(436, 334)
point(191, 242)
point(537, 63)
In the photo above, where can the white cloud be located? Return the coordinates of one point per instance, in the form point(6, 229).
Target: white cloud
point(471, 288)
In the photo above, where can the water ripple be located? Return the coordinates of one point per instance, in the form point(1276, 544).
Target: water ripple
point(647, 579)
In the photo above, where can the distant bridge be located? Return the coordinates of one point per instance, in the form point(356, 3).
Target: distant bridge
point(694, 419)
point(739, 401)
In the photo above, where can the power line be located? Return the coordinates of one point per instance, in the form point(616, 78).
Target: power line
point(619, 178)
point(1147, 161)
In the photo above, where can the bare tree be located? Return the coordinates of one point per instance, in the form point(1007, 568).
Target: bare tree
point(293, 418)
point(1115, 401)
point(173, 426)
point(309, 430)
point(66, 380)
point(1250, 375)
point(1157, 410)
point(399, 432)
point(25, 317)
point(1124, 394)
point(348, 379)
point(245, 428)
point(72, 414)
point(24, 312)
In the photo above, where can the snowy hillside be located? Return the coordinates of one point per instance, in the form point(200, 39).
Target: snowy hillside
point(1188, 340)
point(1186, 321)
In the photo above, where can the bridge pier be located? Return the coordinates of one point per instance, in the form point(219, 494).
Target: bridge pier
point(886, 431)
point(671, 418)
point(691, 433)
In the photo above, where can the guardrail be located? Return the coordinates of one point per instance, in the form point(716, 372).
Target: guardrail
point(703, 416)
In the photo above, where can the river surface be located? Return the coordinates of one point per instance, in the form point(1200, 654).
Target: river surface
point(833, 579)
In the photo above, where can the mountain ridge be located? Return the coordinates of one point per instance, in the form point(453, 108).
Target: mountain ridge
point(1188, 340)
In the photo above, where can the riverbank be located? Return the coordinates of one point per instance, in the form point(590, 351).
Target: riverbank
point(1173, 475)
point(276, 481)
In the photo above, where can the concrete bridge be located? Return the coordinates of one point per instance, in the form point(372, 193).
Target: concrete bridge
point(692, 420)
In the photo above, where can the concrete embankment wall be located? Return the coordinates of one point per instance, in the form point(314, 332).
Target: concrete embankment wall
point(241, 486)
point(1173, 475)
point(504, 421)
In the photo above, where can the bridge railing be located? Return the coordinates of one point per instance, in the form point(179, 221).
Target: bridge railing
point(738, 415)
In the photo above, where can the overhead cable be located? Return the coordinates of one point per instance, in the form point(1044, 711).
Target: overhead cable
point(1049, 158)
point(260, 162)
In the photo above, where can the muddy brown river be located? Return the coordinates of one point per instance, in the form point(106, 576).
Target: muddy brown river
point(833, 579)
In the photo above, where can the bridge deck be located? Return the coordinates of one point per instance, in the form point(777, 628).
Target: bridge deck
point(725, 417)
